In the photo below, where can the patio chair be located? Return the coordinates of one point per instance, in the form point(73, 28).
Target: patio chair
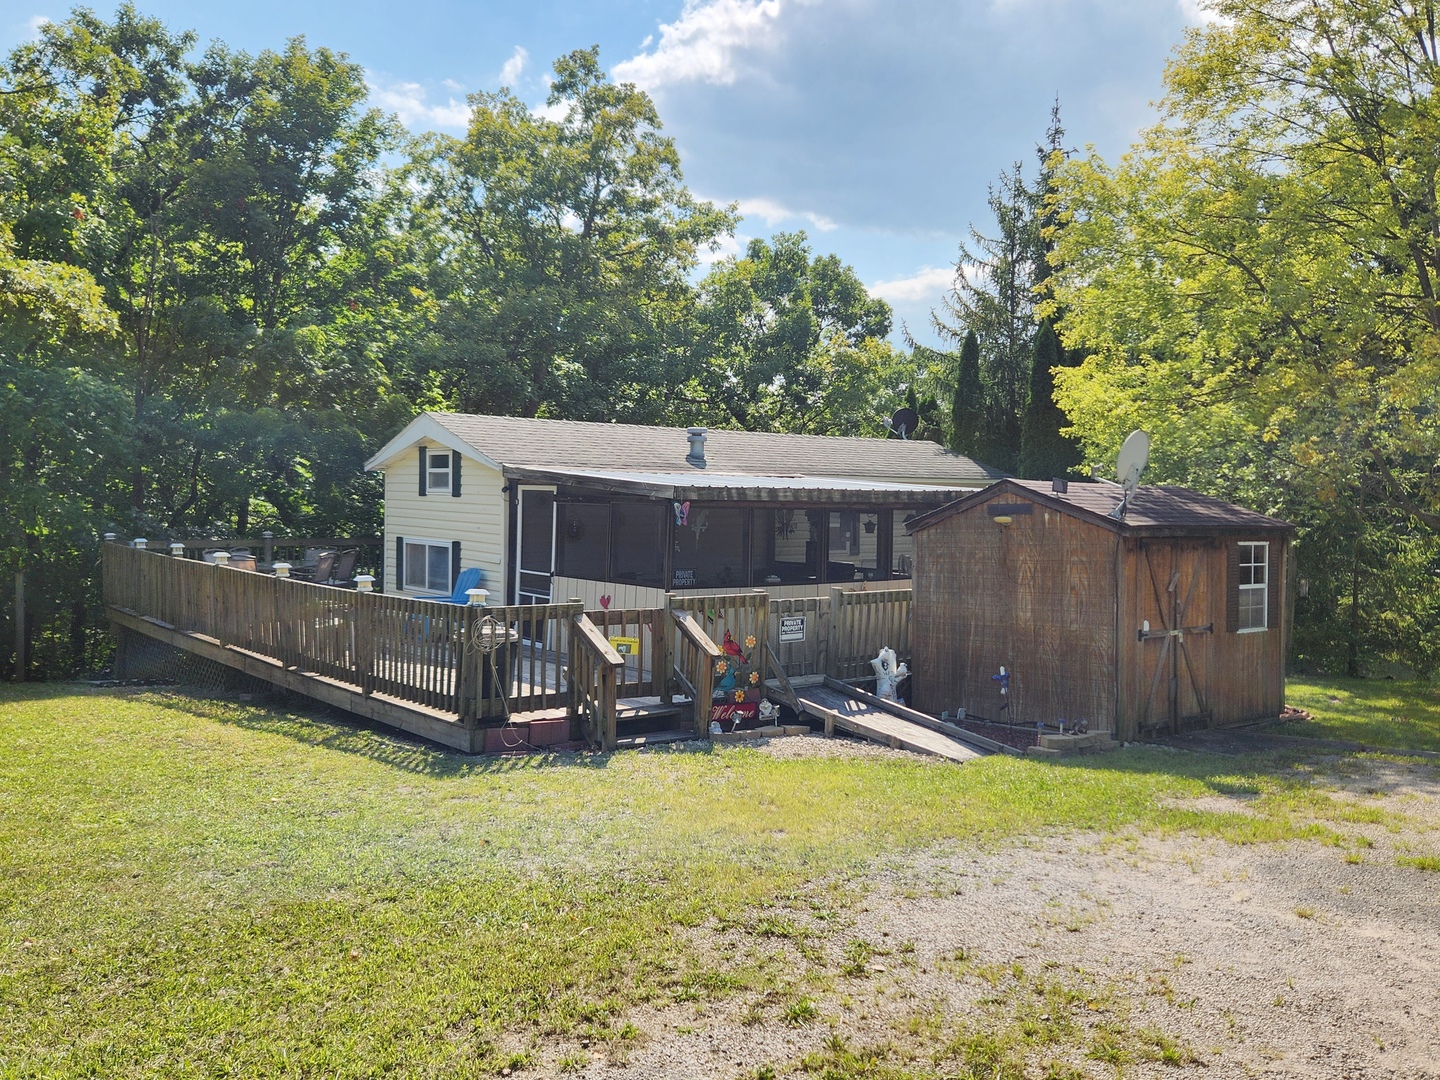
point(470, 578)
point(317, 573)
point(344, 569)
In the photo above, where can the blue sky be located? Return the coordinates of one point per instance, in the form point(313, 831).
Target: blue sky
point(875, 125)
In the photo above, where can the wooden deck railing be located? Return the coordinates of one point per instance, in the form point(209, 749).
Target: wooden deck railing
point(479, 664)
point(695, 659)
point(639, 636)
point(862, 623)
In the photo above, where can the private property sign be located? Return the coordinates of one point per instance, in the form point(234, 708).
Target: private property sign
point(792, 628)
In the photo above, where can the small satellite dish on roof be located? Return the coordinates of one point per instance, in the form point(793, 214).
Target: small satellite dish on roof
point(903, 424)
point(1134, 456)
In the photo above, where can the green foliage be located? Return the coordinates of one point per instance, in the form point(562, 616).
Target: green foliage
point(1044, 451)
point(1256, 281)
point(998, 283)
point(794, 343)
point(560, 251)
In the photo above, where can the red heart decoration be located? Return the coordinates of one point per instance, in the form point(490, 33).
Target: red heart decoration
point(605, 601)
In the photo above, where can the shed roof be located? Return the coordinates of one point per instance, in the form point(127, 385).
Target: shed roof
point(1154, 509)
point(573, 444)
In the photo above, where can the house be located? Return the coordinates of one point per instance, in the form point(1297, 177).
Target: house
point(555, 509)
point(1170, 616)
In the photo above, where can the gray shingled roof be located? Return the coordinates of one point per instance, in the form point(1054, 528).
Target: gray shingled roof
point(517, 441)
point(1153, 507)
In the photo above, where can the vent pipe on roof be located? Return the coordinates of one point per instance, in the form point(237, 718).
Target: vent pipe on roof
point(696, 456)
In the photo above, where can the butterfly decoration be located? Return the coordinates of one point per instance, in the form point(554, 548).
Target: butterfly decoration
point(682, 512)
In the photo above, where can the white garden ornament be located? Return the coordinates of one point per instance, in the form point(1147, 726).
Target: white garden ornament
point(887, 674)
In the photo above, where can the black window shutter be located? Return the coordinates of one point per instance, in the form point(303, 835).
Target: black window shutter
point(454, 563)
point(454, 474)
point(399, 562)
point(1272, 586)
point(422, 471)
point(1232, 587)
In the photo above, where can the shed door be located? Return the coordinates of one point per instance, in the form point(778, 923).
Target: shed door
point(1175, 632)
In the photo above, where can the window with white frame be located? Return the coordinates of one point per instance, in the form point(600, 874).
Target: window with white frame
point(1254, 586)
point(437, 472)
point(427, 565)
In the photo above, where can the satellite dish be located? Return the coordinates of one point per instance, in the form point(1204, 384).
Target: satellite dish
point(903, 424)
point(1134, 455)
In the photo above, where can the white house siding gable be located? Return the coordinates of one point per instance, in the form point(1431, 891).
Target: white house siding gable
point(477, 518)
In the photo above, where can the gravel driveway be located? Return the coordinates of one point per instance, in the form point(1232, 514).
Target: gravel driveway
point(1262, 960)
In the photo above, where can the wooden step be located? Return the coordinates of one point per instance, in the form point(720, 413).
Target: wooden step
point(645, 718)
point(654, 738)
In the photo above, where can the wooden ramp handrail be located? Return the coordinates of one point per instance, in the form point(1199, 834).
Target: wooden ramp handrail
point(595, 671)
point(695, 662)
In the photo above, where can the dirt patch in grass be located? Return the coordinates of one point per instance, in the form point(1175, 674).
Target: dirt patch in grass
point(1080, 956)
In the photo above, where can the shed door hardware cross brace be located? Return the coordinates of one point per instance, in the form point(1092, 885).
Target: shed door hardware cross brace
point(1173, 633)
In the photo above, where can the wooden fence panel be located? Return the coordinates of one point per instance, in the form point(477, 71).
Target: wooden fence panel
point(637, 634)
point(864, 622)
point(810, 654)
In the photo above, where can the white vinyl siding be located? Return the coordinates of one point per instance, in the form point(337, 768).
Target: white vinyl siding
point(1254, 586)
point(477, 519)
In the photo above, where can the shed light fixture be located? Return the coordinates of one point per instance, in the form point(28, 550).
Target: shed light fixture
point(1002, 519)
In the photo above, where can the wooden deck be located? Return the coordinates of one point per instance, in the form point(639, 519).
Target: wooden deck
point(455, 674)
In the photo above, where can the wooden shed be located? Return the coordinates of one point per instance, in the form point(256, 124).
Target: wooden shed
point(1170, 618)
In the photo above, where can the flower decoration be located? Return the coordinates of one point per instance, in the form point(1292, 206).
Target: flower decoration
point(739, 695)
point(722, 666)
point(754, 678)
point(750, 641)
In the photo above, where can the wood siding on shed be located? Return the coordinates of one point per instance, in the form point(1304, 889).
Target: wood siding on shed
point(477, 518)
point(1037, 596)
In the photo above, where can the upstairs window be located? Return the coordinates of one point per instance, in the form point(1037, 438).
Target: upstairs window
point(1254, 586)
point(437, 472)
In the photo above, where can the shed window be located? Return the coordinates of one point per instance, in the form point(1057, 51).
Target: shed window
point(709, 549)
point(427, 565)
point(437, 473)
point(1254, 586)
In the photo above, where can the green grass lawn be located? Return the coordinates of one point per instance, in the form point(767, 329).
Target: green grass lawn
point(1376, 712)
point(197, 887)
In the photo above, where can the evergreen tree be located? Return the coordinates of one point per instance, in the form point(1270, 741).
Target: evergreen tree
point(1044, 452)
point(967, 408)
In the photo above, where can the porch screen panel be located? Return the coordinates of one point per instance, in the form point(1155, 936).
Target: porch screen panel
point(583, 541)
point(709, 549)
point(637, 543)
point(902, 550)
point(786, 547)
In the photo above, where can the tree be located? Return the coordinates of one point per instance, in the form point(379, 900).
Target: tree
point(967, 407)
point(1044, 451)
point(794, 343)
point(1256, 281)
point(998, 282)
point(562, 252)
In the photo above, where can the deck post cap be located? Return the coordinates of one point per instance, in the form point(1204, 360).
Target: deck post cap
point(478, 597)
point(365, 583)
point(282, 569)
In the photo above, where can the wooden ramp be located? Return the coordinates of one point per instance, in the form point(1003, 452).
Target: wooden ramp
point(851, 710)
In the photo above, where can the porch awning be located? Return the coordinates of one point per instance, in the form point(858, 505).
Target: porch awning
point(721, 487)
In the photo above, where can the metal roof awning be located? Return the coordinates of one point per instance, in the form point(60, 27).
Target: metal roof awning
point(731, 487)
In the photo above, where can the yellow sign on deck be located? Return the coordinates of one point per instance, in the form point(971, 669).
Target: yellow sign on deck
point(626, 646)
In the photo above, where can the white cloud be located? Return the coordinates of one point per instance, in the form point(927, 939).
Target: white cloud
point(702, 44)
point(35, 22)
point(1199, 12)
point(773, 213)
point(728, 247)
point(515, 66)
point(929, 283)
point(408, 101)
